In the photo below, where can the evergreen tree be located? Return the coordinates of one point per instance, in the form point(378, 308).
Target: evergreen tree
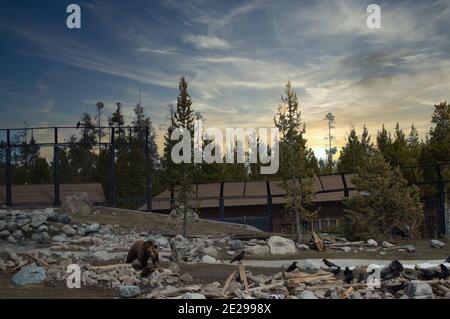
point(297, 176)
point(384, 202)
point(354, 153)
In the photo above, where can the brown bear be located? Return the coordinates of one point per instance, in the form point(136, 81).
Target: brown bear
point(142, 251)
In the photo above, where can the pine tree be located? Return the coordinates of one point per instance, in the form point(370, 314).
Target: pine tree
point(384, 202)
point(296, 176)
point(355, 152)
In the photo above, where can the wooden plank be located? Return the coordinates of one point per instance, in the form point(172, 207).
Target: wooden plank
point(228, 282)
point(243, 275)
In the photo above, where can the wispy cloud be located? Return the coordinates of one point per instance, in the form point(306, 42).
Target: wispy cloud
point(206, 42)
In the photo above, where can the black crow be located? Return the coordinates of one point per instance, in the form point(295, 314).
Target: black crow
point(395, 266)
point(444, 273)
point(78, 124)
point(292, 267)
point(448, 260)
point(238, 257)
point(426, 274)
point(348, 275)
point(335, 269)
point(393, 271)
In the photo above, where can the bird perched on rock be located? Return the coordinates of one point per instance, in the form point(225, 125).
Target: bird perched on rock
point(448, 260)
point(393, 270)
point(335, 269)
point(78, 124)
point(348, 275)
point(238, 257)
point(292, 267)
point(444, 273)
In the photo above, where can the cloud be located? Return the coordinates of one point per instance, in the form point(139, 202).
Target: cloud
point(206, 42)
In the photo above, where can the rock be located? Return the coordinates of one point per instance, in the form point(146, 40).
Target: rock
point(209, 259)
point(38, 221)
point(346, 249)
point(18, 234)
point(129, 291)
point(212, 289)
point(93, 228)
point(2, 225)
point(22, 222)
point(81, 231)
point(42, 228)
point(281, 246)
point(69, 231)
point(4, 233)
point(311, 265)
point(436, 243)
point(410, 249)
point(372, 243)
point(59, 239)
point(237, 245)
point(29, 275)
point(12, 240)
point(40, 237)
point(186, 278)
point(210, 251)
point(102, 255)
point(258, 250)
point(59, 217)
point(419, 290)
point(386, 244)
point(11, 226)
point(307, 295)
point(303, 247)
point(192, 295)
point(77, 204)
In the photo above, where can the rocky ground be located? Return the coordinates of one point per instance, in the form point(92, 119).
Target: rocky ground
point(36, 248)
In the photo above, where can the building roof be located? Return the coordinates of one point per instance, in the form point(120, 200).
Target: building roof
point(328, 188)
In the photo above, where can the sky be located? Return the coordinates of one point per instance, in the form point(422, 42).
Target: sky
point(236, 56)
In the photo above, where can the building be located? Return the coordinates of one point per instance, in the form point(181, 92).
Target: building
point(261, 203)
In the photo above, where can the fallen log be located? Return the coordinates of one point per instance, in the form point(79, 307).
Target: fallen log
point(318, 242)
point(39, 261)
point(228, 282)
point(308, 279)
point(350, 243)
point(243, 275)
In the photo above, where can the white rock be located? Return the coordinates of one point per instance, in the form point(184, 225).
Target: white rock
point(419, 290)
point(211, 251)
point(258, 250)
point(436, 243)
point(303, 247)
point(209, 259)
point(69, 231)
point(281, 246)
point(386, 244)
point(372, 243)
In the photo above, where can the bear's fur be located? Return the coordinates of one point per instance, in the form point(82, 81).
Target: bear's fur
point(142, 251)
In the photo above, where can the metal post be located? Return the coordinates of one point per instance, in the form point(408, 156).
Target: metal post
point(8, 170)
point(221, 203)
point(172, 197)
point(441, 189)
point(269, 206)
point(148, 174)
point(56, 200)
point(112, 170)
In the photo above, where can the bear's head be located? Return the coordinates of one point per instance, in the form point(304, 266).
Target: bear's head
point(152, 251)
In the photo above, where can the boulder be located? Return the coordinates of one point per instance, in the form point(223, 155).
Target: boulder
point(209, 259)
point(18, 234)
point(436, 243)
point(4, 233)
point(237, 245)
point(11, 226)
point(186, 278)
point(59, 217)
point(38, 221)
point(29, 275)
point(386, 244)
point(302, 247)
point(69, 231)
point(40, 237)
point(372, 243)
point(258, 250)
point(77, 204)
point(2, 225)
point(210, 251)
point(410, 249)
point(93, 228)
point(281, 246)
point(59, 239)
point(419, 290)
point(192, 295)
point(129, 291)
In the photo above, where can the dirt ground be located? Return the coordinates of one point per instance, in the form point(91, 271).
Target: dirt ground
point(144, 221)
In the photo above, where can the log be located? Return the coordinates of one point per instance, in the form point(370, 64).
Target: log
point(350, 243)
point(318, 242)
point(24, 263)
point(174, 250)
point(268, 287)
point(39, 261)
point(307, 279)
point(346, 293)
point(228, 282)
point(243, 275)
